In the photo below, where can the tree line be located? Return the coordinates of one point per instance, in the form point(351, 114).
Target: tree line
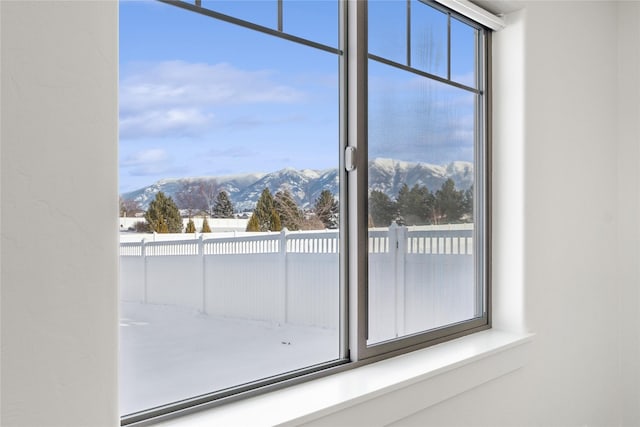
point(419, 206)
point(412, 206)
point(163, 214)
point(272, 213)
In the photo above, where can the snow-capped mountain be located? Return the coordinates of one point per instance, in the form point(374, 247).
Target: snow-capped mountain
point(386, 175)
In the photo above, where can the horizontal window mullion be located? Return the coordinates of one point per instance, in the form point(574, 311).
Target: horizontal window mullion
point(424, 74)
point(250, 25)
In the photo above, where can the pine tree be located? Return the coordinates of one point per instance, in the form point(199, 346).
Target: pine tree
point(415, 205)
point(253, 224)
point(381, 209)
point(162, 226)
point(327, 210)
point(467, 203)
point(163, 215)
point(205, 226)
point(264, 210)
point(290, 215)
point(403, 202)
point(191, 227)
point(222, 207)
point(449, 203)
point(275, 224)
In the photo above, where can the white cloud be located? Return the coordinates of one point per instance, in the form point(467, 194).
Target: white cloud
point(153, 161)
point(145, 157)
point(177, 98)
point(164, 123)
point(173, 84)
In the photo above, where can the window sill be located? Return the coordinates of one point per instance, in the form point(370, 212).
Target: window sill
point(412, 381)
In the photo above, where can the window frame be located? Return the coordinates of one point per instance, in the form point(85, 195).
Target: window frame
point(358, 76)
point(353, 56)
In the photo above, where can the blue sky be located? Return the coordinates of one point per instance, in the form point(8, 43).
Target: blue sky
point(200, 97)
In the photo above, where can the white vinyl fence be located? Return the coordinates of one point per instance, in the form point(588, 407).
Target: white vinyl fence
point(418, 278)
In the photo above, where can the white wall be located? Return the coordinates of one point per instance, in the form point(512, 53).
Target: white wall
point(573, 206)
point(580, 115)
point(628, 243)
point(59, 273)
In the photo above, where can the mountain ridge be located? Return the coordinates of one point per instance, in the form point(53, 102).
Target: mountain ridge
point(386, 175)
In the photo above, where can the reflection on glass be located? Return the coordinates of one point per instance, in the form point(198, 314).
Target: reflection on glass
point(315, 20)
point(421, 153)
point(428, 39)
point(238, 129)
point(387, 26)
point(463, 53)
point(261, 12)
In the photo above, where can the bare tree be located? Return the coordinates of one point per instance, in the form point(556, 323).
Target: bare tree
point(208, 191)
point(188, 198)
point(129, 207)
point(312, 222)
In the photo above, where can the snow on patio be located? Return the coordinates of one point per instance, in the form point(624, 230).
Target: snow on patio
point(169, 353)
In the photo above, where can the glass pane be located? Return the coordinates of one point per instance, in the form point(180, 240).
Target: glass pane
point(261, 12)
point(228, 131)
point(388, 29)
point(421, 154)
point(315, 20)
point(463, 53)
point(428, 39)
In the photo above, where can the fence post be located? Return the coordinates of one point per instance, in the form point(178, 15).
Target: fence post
point(203, 274)
point(283, 265)
point(392, 238)
point(400, 257)
point(143, 252)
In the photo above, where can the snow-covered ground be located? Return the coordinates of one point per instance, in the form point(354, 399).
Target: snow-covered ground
point(170, 353)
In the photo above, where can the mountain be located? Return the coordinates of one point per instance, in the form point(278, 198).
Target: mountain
point(385, 175)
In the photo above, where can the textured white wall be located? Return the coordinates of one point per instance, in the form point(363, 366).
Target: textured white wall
point(59, 272)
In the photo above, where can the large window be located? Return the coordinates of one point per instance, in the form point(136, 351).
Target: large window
point(303, 188)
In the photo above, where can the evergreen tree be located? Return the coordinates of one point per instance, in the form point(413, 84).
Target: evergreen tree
point(205, 226)
point(264, 210)
point(162, 226)
point(381, 209)
point(327, 210)
point(222, 207)
point(163, 215)
point(191, 227)
point(275, 224)
point(449, 204)
point(290, 215)
point(402, 202)
point(467, 204)
point(253, 224)
point(415, 205)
